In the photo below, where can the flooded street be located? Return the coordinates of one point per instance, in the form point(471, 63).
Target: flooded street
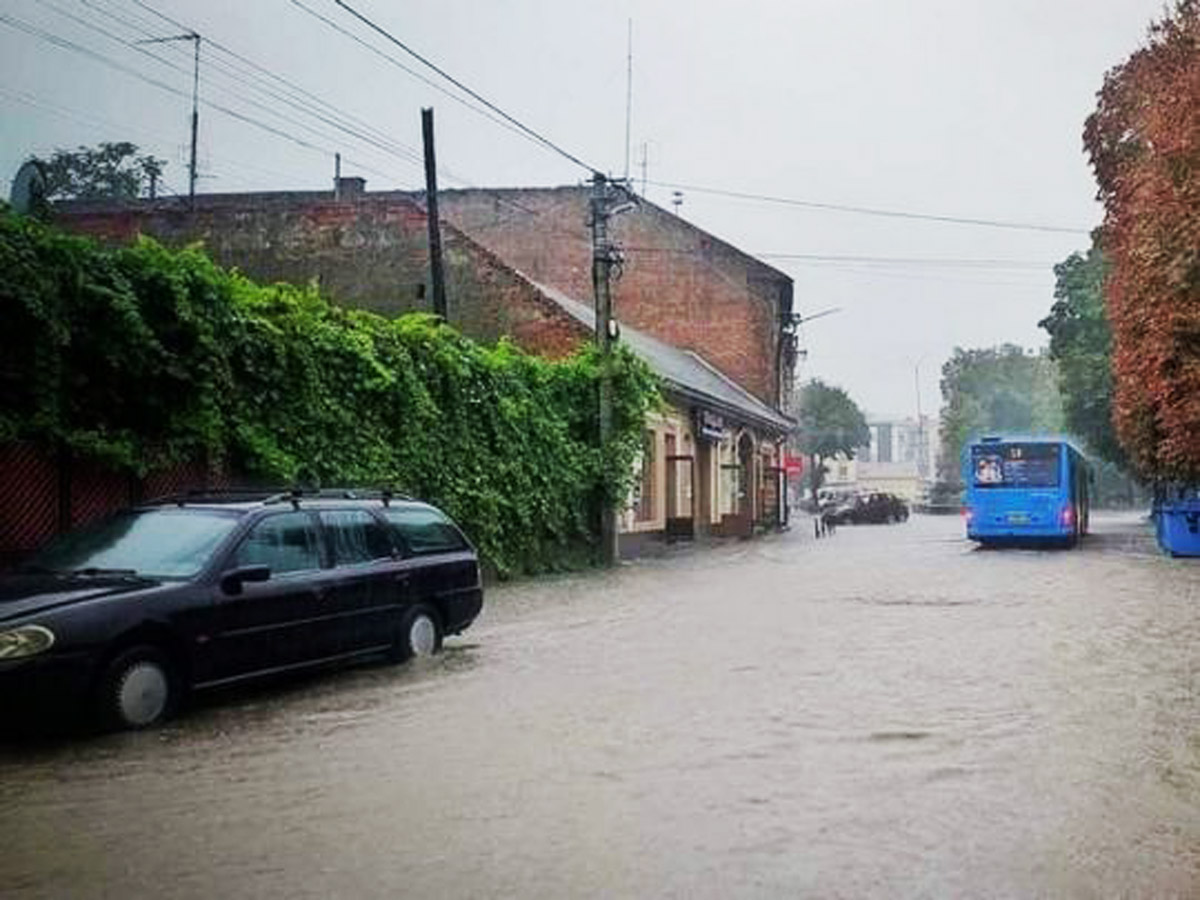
point(889, 712)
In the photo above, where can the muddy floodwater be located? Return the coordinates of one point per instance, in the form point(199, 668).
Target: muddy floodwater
point(886, 713)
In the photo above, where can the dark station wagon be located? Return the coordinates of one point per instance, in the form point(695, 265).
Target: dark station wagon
point(126, 617)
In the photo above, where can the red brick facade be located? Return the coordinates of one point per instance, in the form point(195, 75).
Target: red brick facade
point(680, 284)
point(369, 251)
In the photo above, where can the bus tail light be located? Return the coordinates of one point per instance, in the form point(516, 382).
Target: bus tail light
point(1068, 516)
point(968, 514)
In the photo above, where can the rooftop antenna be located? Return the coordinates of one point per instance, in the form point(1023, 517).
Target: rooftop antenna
point(189, 36)
point(677, 200)
point(628, 96)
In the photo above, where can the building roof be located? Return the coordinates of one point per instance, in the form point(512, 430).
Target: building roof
point(686, 372)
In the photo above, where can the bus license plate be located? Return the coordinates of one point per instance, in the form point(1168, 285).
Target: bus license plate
point(1018, 519)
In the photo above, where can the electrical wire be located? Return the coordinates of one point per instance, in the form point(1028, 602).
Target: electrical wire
point(373, 135)
point(525, 129)
point(63, 43)
point(187, 72)
point(90, 119)
point(387, 57)
point(311, 104)
point(869, 211)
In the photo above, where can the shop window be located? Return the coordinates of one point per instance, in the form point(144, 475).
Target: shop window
point(643, 505)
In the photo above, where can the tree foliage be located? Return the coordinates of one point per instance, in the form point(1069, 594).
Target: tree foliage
point(1144, 143)
point(106, 171)
point(143, 356)
point(998, 390)
point(1081, 345)
point(830, 423)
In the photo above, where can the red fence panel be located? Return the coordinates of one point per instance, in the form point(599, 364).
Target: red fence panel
point(42, 494)
point(28, 500)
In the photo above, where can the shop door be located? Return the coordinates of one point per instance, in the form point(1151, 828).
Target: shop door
point(681, 474)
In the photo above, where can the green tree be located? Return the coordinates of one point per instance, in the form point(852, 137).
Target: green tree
point(830, 423)
point(106, 171)
point(1144, 144)
point(1003, 390)
point(1081, 345)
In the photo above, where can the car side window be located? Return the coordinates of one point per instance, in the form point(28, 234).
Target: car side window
point(355, 536)
point(425, 530)
point(286, 543)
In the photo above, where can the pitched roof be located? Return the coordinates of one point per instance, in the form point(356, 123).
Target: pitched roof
point(685, 371)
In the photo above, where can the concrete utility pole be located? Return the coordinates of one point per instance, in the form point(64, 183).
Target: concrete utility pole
point(195, 120)
point(431, 213)
point(195, 38)
point(608, 199)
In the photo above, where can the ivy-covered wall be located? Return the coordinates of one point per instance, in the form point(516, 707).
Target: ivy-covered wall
point(144, 356)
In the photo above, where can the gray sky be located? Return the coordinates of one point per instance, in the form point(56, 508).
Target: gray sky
point(953, 107)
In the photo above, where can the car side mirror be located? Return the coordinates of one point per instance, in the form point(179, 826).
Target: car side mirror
point(232, 581)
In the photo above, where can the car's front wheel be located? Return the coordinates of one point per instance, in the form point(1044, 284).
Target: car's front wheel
point(420, 634)
point(137, 690)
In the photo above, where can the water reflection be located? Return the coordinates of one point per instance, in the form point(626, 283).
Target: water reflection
point(883, 713)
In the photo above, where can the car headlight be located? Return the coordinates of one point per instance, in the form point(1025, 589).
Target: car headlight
point(25, 641)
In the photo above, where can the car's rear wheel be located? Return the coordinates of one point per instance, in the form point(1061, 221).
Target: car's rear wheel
point(138, 689)
point(420, 634)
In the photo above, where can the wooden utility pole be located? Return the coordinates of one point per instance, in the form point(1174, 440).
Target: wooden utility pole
point(437, 277)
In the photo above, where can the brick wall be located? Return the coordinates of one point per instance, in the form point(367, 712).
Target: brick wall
point(369, 251)
point(680, 284)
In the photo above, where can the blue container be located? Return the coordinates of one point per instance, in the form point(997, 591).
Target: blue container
point(1177, 523)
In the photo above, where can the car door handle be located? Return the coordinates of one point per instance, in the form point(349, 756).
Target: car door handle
point(402, 578)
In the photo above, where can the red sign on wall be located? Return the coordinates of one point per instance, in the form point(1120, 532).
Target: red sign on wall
point(794, 465)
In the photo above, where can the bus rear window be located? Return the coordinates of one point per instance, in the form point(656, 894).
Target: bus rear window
point(1015, 465)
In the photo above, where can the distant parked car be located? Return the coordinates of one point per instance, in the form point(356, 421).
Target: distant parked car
point(875, 508)
point(126, 617)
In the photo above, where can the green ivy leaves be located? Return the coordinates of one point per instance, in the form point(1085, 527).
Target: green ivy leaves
point(142, 357)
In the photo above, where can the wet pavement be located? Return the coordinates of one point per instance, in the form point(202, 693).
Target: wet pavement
point(885, 713)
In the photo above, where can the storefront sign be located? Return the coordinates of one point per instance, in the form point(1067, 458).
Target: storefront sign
point(710, 426)
point(794, 466)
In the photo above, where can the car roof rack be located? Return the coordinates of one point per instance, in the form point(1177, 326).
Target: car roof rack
point(295, 495)
point(272, 495)
point(200, 495)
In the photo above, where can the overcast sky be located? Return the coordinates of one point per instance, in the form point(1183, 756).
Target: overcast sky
point(960, 108)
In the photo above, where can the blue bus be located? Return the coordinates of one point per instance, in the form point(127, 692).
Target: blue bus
point(1026, 489)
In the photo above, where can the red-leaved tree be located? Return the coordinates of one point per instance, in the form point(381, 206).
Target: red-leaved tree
point(1144, 142)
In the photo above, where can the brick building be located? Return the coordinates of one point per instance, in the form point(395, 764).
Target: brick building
point(679, 284)
point(712, 321)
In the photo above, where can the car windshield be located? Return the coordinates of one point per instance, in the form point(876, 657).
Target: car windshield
point(160, 543)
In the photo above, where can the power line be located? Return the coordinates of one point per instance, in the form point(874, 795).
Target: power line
point(914, 261)
point(544, 141)
point(887, 261)
point(361, 130)
point(233, 75)
point(67, 112)
point(869, 211)
point(63, 43)
point(313, 105)
point(407, 69)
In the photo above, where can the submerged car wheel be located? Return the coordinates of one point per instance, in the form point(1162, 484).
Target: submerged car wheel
point(137, 690)
point(420, 634)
